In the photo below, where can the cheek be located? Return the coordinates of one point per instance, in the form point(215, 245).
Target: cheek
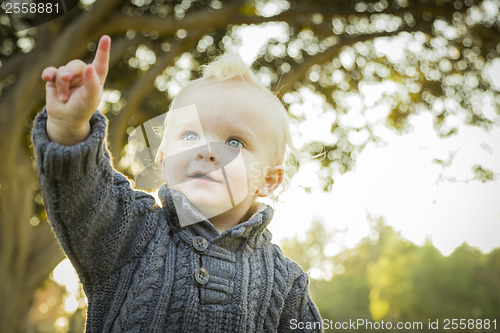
point(256, 175)
point(237, 177)
point(245, 178)
point(173, 169)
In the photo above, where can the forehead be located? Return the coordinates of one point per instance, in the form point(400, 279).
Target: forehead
point(224, 104)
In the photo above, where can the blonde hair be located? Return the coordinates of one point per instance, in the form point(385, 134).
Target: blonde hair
point(229, 68)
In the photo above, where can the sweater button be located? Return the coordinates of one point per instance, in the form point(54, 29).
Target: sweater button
point(201, 276)
point(200, 244)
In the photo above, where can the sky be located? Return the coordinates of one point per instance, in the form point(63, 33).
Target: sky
point(398, 181)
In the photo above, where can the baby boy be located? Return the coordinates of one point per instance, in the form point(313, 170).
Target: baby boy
point(203, 260)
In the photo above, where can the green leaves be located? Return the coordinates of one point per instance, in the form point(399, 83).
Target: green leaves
point(386, 277)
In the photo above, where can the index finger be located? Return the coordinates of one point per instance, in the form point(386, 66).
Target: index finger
point(101, 60)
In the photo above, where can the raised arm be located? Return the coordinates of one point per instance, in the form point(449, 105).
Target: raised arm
point(99, 220)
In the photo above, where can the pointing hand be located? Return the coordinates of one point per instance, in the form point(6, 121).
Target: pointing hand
point(73, 93)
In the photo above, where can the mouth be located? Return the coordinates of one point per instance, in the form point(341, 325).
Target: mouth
point(202, 176)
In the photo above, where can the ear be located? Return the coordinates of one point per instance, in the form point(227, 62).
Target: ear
point(272, 181)
point(159, 157)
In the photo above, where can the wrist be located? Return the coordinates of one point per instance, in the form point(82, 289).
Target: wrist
point(67, 134)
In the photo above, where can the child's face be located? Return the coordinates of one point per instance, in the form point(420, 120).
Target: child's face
point(218, 148)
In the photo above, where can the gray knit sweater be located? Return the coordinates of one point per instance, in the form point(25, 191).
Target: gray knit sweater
point(142, 271)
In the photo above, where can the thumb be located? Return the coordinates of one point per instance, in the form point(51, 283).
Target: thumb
point(92, 87)
point(51, 97)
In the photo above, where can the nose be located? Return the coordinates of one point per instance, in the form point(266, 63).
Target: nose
point(205, 153)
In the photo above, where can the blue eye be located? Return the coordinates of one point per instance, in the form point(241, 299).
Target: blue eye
point(234, 143)
point(190, 136)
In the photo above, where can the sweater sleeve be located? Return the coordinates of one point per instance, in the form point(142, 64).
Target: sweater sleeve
point(99, 220)
point(300, 313)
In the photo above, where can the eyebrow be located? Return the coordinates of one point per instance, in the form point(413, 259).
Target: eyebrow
point(248, 136)
point(185, 122)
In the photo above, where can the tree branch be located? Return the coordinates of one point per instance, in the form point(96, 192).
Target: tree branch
point(142, 87)
point(199, 19)
point(12, 65)
point(119, 47)
point(77, 34)
point(44, 257)
point(299, 71)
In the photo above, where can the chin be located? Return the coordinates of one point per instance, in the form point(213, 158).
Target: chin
point(211, 211)
point(210, 206)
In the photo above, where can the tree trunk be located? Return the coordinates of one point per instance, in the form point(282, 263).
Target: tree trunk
point(28, 248)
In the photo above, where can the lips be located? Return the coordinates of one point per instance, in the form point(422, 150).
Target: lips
point(201, 176)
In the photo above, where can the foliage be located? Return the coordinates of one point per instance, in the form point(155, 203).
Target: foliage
point(389, 278)
point(49, 313)
point(419, 56)
point(433, 53)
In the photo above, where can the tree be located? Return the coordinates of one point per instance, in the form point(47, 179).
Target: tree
point(327, 47)
point(341, 290)
point(415, 284)
point(386, 277)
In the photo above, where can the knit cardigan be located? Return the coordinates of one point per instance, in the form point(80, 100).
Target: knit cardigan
point(143, 272)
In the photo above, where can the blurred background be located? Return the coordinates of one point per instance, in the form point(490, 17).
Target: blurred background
point(394, 215)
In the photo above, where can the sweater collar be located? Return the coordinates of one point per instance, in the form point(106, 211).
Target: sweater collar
point(182, 215)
